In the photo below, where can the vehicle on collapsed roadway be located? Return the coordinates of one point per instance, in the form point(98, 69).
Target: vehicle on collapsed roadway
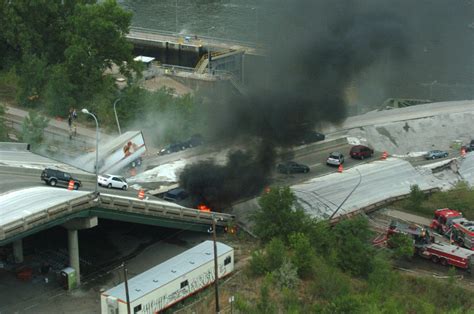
point(335, 159)
point(292, 167)
point(433, 154)
point(193, 141)
point(55, 177)
point(111, 181)
point(175, 195)
point(361, 152)
point(171, 148)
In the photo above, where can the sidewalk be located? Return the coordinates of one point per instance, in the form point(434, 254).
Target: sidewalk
point(57, 126)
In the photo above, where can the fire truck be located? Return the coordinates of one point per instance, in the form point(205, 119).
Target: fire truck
point(437, 252)
point(454, 226)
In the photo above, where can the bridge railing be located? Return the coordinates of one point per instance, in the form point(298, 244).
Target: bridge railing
point(171, 211)
point(209, 39)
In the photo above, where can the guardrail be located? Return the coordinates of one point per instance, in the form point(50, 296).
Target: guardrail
point(171, 211)
point(62, 212)
point(372, 207)
point(25, 224)
point(250, 44)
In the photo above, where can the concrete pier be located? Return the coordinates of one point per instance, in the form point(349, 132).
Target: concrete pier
point(18, 251)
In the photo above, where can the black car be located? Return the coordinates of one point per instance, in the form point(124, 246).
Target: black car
point(312, 137)
point(171, 148)
point(292, 167)
point(55, 177)
point(193, 141)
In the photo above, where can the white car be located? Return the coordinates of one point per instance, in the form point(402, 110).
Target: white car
point(111, 181)
point(335, 159)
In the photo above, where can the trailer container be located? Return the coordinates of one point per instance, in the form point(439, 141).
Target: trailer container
point(171, 281)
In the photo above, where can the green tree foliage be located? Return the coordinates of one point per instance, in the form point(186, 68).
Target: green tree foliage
point(287, 275)
point(269, 260)
point(33, 128)
point(33, 75)
point(303, 254)
point(265, 304)
point(277, 215)
point(3, 127)
point(401, 245)
point(354, 253)
point(329, 282)
point(415, 200)
point(76, 40)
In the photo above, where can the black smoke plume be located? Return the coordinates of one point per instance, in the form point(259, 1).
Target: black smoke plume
point(313, 51)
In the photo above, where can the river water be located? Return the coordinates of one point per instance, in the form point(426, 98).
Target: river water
point(232, 19)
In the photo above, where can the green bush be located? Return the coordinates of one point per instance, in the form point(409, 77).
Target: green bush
point(286, 276)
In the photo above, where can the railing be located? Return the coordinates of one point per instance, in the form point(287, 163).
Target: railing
point(249, 44)
point(107, 201)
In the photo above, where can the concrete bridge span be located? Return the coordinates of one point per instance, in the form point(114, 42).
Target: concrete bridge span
point(25, 212)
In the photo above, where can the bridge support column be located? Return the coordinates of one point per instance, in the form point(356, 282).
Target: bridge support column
point(18, 251)
point(73, 241)
point(73, 227)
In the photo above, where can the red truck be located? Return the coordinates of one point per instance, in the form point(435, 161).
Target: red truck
point(453, 225)
point(437, 252)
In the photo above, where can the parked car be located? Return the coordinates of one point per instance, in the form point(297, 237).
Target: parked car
point(55, 177)
point(110, 181)
point(175, 195)
point(433, 154)
point(292, 167)
point(335, 159)
point(361, 152)
point(312, 137)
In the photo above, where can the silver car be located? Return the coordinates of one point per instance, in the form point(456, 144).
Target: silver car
point(335, 159)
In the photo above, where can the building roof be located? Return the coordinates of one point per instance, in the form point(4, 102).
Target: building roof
point(168, 271)
point(144, 59)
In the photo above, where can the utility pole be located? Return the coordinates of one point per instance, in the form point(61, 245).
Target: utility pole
point(216, 274)
point(126, 288)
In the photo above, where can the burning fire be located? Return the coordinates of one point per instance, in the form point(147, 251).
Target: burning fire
point(204, 208)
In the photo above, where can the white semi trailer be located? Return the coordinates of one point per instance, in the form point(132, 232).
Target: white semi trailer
point(171, 281)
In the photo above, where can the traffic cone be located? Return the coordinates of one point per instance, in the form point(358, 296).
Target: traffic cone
point(70, 186)
point(340, 168)
point(384, 155)
point(141, 194)
point(463, 152)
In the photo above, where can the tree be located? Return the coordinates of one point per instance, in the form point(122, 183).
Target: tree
point(402, 245)
point(303, 254)
point(277, 215)
point(3, 127)
point(33, 127)
point(354, 254)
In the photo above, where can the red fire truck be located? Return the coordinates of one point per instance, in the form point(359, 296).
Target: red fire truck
point(444, 218)
point(454, 226)
point(437, 252)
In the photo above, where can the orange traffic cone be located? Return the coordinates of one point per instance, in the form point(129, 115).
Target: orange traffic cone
point(340, 168)
point(384, 155)
point(70, 186)
point(141, 194)
point(463, 152)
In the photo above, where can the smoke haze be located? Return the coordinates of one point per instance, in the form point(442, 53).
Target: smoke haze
point(314, 50)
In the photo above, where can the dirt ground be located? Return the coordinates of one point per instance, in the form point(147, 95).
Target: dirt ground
point(39, 296)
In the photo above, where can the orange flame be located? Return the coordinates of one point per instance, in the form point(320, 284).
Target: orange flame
point(204, 208)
